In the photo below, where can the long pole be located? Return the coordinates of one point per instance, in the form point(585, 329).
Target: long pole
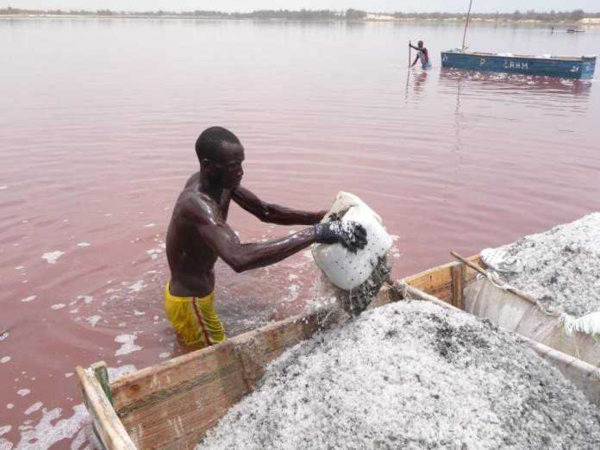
point(409, 53)
point(466, 25)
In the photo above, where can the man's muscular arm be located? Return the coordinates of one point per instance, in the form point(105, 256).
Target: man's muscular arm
point(271, 213)
point(241, 257)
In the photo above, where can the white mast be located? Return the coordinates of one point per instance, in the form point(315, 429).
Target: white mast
point(466, 25)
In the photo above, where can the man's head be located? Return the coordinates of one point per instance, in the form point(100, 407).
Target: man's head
point(220, 154)
point(420, 44)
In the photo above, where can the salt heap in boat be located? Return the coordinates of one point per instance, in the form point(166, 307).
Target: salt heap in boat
point(410, 375)
point(560, 267)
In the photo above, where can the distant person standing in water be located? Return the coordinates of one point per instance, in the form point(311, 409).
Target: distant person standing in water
point(198, 235)
point(422, 54)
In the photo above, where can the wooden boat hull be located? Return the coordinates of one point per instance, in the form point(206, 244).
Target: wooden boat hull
point(171, 405)
point(559, 67)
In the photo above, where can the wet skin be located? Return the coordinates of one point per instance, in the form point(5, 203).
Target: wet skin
point(198, 233)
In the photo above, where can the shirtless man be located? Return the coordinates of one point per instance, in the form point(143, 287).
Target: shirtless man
point(199, 234)
point(422, 54)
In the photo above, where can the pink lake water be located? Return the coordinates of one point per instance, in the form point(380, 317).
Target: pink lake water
point(98, 120)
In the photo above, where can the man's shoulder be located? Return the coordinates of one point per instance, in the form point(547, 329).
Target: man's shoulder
point(193, 202)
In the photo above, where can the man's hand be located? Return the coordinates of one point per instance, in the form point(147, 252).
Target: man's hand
point(351, 235)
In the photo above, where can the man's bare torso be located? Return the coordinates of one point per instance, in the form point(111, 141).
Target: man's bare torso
point(191, 260)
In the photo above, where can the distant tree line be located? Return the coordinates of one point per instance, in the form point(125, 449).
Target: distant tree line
point(552, 16)
point(323, 15)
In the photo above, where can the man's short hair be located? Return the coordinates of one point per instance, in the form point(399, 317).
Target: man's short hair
point(209, 142)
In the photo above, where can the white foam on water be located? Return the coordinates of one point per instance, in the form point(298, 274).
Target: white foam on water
point(5, 429)
point(138, 313)
point(5, 359)
point(154, 252)
point(69, 374)
point(50, 430)
point(24, 392)
point(86, 439)
point(86, 298)
point(29, 299)
point(93, 320)
point(164, 355)
point(128, 344)
point(19, 267)
point(150, 225)
point(83, 244)
point(33, 408)
point(52, 257)
point(138, 286)
point(10, 406)
point(2, 188)
point(58, 306)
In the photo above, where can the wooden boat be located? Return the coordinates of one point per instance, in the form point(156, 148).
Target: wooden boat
point(553, 66)
point(172, 404)
point(575, 30)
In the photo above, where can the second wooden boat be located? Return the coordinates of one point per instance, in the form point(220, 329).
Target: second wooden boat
point(551, 66)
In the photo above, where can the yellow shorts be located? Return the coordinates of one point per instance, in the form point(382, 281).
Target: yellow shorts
point(195, 319)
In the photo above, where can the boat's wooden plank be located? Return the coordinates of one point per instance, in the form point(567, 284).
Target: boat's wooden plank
point(109, 428)
point(185, 416)
point(180, 399)
point(436, 282)
point(175, 374)
point(439, 281)
point(458, 279)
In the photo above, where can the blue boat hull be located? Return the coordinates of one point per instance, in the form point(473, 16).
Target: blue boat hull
point(575, 68)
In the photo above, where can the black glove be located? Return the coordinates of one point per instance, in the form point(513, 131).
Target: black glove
point(351, 235)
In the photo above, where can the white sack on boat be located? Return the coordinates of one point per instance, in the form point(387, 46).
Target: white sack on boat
point(588, 324)
point(567, 334)
point(349, 270)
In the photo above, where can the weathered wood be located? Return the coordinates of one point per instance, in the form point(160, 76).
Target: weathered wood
point(438, 281)
point(101, 374)
point(179, 400)
point(458, 274)
point(109, 428)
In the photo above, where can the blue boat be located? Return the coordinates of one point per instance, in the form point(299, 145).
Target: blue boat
point(550, 66)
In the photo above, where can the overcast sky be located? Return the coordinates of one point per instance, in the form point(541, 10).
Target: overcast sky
point(367, 5)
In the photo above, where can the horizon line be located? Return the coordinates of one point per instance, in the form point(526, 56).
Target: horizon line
point(185, 11)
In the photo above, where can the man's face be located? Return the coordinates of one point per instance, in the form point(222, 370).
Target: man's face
point(227, 168)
